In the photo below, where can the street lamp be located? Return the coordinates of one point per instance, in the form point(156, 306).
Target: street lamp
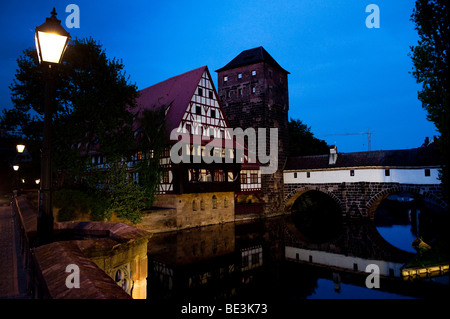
point(20, 148)
point(16, 167)
point(51, 43)
point(51, 40)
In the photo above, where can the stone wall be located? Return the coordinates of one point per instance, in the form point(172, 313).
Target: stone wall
point(260, 101)
point(180, 211)
point(361, 199)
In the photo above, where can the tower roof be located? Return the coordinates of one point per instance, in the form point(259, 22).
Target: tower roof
point(252, 56)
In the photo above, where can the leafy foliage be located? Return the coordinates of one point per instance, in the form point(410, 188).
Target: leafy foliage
point(431, 68)
point(302, 141)
point(93, 99)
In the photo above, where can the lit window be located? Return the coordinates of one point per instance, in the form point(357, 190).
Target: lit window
point(240, 92)
point(253, 90)
point(225, 78)
point(253, 73)
point(239, 75)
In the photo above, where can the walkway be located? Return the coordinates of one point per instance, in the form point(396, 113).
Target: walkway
point(12, 275)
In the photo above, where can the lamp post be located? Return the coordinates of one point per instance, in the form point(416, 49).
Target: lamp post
point(51, 42)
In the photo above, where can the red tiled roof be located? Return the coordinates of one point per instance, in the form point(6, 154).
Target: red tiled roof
point(175, 92)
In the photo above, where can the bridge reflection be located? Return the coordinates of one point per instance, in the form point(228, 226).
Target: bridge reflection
point(271, 260)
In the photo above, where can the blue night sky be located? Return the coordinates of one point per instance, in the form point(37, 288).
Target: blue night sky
point(345, 77)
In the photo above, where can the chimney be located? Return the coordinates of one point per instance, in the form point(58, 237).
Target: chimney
point(332, 158)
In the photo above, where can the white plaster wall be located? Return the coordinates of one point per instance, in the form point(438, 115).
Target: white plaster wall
point(377, 175)
point(341, 261)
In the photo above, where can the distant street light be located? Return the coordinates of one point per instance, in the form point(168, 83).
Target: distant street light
point(51, 43)
point(16, 167)
point(20, 148)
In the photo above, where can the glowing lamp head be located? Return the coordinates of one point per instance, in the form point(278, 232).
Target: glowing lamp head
point(51, 40)
point(20, 148)
point(16, 167)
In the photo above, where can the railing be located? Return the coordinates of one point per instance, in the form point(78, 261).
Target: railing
point(26, 250)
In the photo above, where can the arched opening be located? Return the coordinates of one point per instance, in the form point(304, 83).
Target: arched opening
point(317, 216)
point(410, 221)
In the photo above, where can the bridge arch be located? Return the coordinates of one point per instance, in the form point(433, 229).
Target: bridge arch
point(376, 199)
point(296, 193)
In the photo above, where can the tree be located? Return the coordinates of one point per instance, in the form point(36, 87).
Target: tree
point(94, 111)
point(93, 99)
point(431, 68)
point(302, 141)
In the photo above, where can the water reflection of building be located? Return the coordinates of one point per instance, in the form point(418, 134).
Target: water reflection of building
point(207, 263)
point(357, 246)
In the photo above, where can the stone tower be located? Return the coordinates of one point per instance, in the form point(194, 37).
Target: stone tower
point(253, 89)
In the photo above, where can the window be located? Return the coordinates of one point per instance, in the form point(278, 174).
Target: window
point(228, 93)
point(253, 178)
point(352, 172)
point(254, 73)
point(225, 78)
point(165, 177)
point(295, 175)
point(205, 175)
point(219, 175)
point(230, 176)
point(202, 205)
point(214, 202)
point(240, 92)
point(225, 204)
point(427, 172)
point(188, 128)
point(253, 90)
point(239, 75)
point(243, 178)
point(211, 95)
point(194, 207)
point(198, 110)
point(200, 91)
point(213, 114)
point(308, 174)
point(387, 172)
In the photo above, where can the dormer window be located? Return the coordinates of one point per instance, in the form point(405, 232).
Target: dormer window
point(225, 78)
point(239, 75)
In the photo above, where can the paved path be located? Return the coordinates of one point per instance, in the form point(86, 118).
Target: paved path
point(12, 276)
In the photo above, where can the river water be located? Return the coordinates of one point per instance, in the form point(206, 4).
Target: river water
point(271, 259)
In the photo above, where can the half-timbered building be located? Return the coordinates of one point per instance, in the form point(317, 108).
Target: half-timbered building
point(202, 185)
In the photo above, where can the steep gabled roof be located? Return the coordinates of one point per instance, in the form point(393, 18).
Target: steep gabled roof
point(175, 93)
point(415, 157)
point(252, 56)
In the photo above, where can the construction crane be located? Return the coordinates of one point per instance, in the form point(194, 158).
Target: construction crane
point(369, 135)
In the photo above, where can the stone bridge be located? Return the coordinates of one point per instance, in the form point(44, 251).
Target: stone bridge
point(360, 199)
